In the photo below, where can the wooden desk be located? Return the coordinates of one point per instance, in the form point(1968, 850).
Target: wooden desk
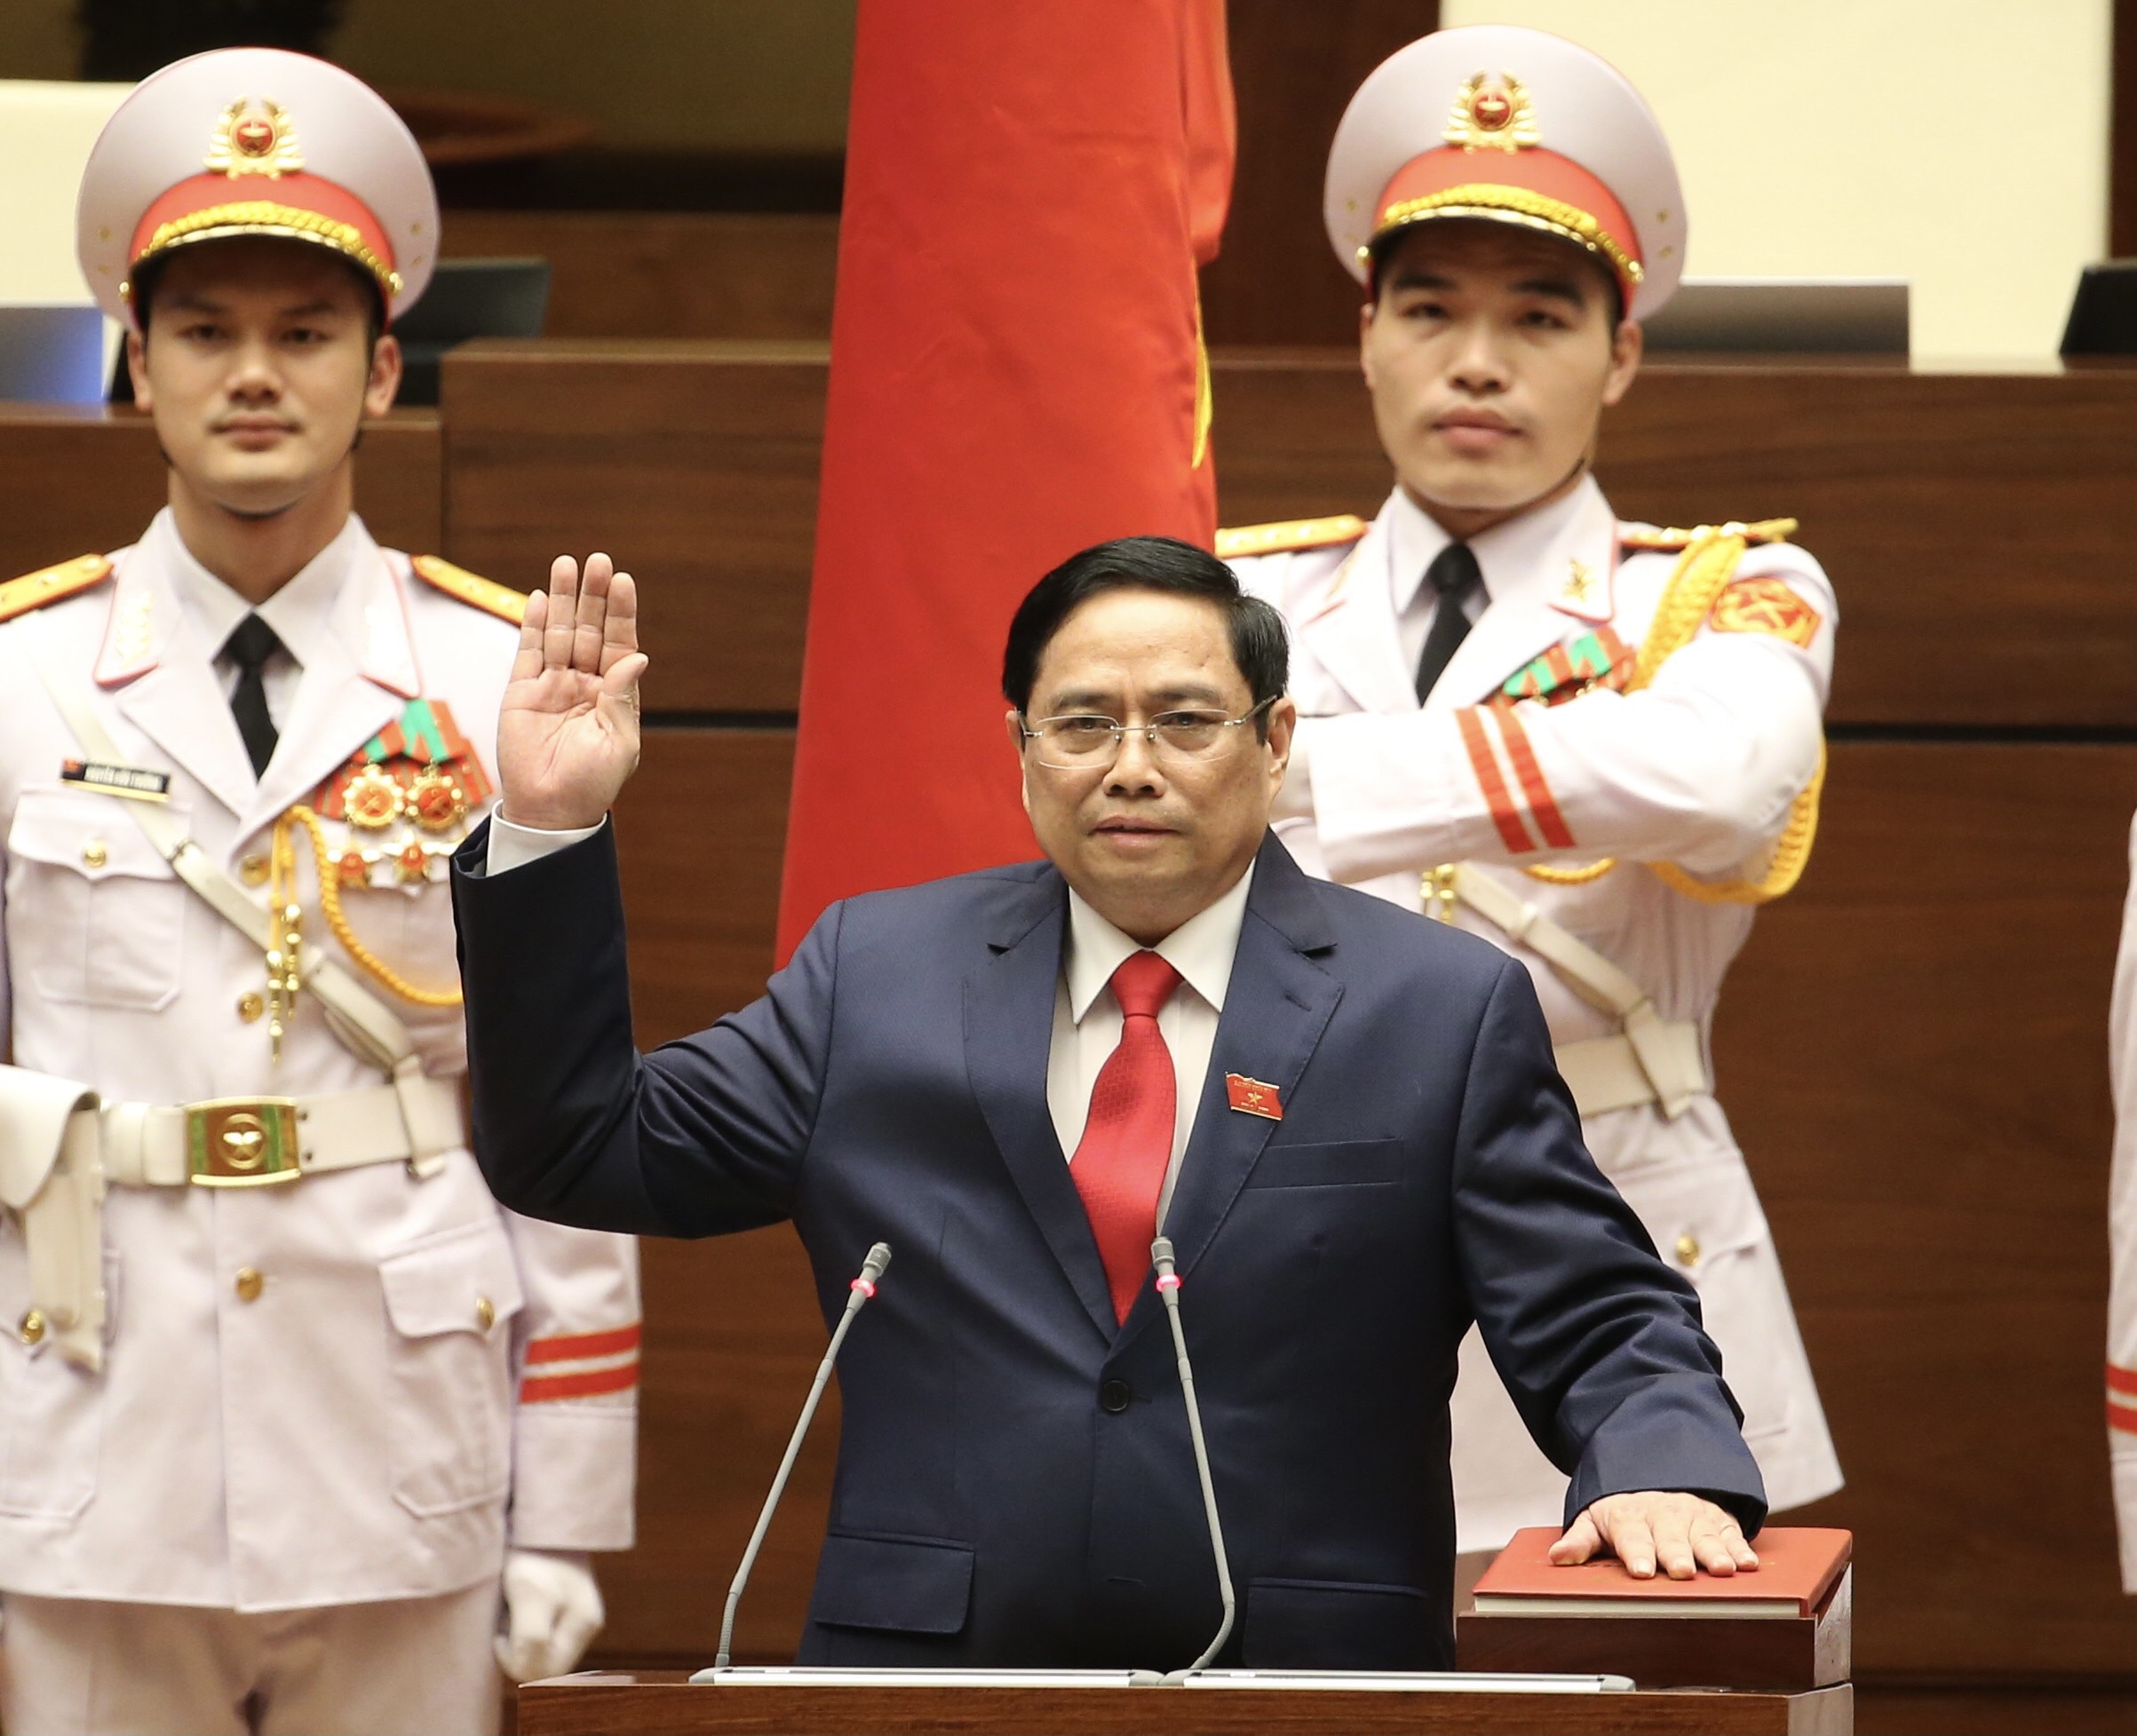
point(665, 1703)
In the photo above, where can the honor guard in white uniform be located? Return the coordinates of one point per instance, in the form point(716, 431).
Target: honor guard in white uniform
point(303, 1431)
point(1596, 743)
point(2122, 1236)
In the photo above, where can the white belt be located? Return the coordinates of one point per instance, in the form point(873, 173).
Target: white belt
point(244, 1142)
point(1605, 1073)
point(1652, 1060)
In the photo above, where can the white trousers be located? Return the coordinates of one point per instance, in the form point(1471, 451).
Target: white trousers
point(412, 1667)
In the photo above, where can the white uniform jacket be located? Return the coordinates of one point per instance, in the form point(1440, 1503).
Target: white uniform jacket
point(1700, 768)
point(353, 1386)
point(2121, 1235)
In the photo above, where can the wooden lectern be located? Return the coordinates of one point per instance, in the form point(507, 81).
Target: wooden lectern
point(1765, 1653)
point(667, 1703)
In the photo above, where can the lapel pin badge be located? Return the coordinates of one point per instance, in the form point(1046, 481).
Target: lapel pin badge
point(1250, 1096)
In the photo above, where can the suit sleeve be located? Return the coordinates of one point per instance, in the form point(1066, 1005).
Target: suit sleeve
point(1599, 1342)
point(2122, 1236)
point(572, 1124)
point(1699, 768)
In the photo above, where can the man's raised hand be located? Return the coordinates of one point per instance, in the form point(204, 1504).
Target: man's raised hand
point(568, 735)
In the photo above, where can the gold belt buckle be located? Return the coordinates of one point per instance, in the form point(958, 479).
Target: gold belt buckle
point(241, 1142)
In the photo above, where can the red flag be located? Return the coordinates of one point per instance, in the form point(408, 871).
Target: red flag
point(1016, 373)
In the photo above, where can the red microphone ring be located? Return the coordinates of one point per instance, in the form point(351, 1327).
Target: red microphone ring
point(865, 1286)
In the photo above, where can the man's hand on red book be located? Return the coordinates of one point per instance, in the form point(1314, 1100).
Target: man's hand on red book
point(1678, 1533)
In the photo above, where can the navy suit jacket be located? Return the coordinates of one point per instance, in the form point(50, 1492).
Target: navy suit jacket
point(1015, 1483)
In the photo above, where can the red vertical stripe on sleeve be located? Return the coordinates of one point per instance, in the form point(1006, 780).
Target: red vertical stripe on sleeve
point(1549, 822)
point(1498, 797)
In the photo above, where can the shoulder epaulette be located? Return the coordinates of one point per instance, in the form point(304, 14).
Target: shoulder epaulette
point(1293, 534)
point(471, 587)
point(1674, 541)
point(34, 590)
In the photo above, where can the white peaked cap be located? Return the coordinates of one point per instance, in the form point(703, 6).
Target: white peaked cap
point(1512, 125)
point(257, 141)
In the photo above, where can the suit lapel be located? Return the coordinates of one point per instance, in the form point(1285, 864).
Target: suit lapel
point(1008, 1035)
point(1275, 1009)
point(166, 681)
point(1354, 636)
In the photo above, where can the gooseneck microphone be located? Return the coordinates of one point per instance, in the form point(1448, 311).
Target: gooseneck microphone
point(1168, 1287)
point(857, 1295)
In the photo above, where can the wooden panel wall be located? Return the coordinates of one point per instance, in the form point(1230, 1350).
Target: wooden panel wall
point(78, 479)
point(1912, 1046)
point(1294, 69)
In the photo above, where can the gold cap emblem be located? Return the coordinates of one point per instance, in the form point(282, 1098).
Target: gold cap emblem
point(1493, 112)
point(254, 138)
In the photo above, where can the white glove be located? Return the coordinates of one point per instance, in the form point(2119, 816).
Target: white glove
point(553, 1608)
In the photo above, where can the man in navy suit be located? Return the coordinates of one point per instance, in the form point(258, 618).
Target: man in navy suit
point(1346, 1120)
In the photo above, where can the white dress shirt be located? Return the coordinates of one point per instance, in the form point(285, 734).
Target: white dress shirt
point(1417, 541)
point(1087, 1018)
point(300, 614)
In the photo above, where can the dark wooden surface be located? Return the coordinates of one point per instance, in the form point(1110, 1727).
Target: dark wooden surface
point(77, 481)
point(668, 274)
point(1789, 1654)
point(1294, 69)
point(693, 464)
point(665, 1704)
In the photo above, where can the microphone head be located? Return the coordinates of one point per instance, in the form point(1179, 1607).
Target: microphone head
point(878, 1262)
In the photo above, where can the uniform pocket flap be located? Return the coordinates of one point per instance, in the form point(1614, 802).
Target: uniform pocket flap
point(1697, 1211)
point(912, 1585)
point(460, 1280)
point(92, 835)
point(1333, 1624)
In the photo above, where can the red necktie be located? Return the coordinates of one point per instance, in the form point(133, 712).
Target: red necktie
point(1119, 1166)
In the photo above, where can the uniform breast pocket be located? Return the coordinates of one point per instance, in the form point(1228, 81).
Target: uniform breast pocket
point(450, 1302)
point(95, 917)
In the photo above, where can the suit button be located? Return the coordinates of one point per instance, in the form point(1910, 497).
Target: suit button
point(94, 855)
point(486, 1312)
point(1113, 1397)
point(249, 1006)
point(254, 867)
point(1687, 1251)
point(249, 1284)
point(32, 1329)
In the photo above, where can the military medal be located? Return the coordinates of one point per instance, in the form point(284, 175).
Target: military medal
point(419, 773)
point(371, 798)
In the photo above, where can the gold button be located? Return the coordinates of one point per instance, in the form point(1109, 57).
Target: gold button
point(94, 853)
point(249, 1284)
point(486, 1312)
point(32, 1329)
point(1687, 1250)
point(254, 867)
point(249, 1006)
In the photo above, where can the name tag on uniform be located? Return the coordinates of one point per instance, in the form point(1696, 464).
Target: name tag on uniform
point(1250, 1096)
point(132, 782)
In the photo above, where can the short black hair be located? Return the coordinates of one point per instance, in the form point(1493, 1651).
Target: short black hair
point(1260, 646)
point(142, 281)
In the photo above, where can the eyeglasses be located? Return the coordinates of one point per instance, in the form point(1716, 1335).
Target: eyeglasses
point(1084, 742)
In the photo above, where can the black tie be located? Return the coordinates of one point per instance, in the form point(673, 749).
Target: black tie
point(1455, 576)
point(250, 645)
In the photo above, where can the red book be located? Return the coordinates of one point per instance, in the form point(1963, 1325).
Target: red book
point(1797, 1566)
